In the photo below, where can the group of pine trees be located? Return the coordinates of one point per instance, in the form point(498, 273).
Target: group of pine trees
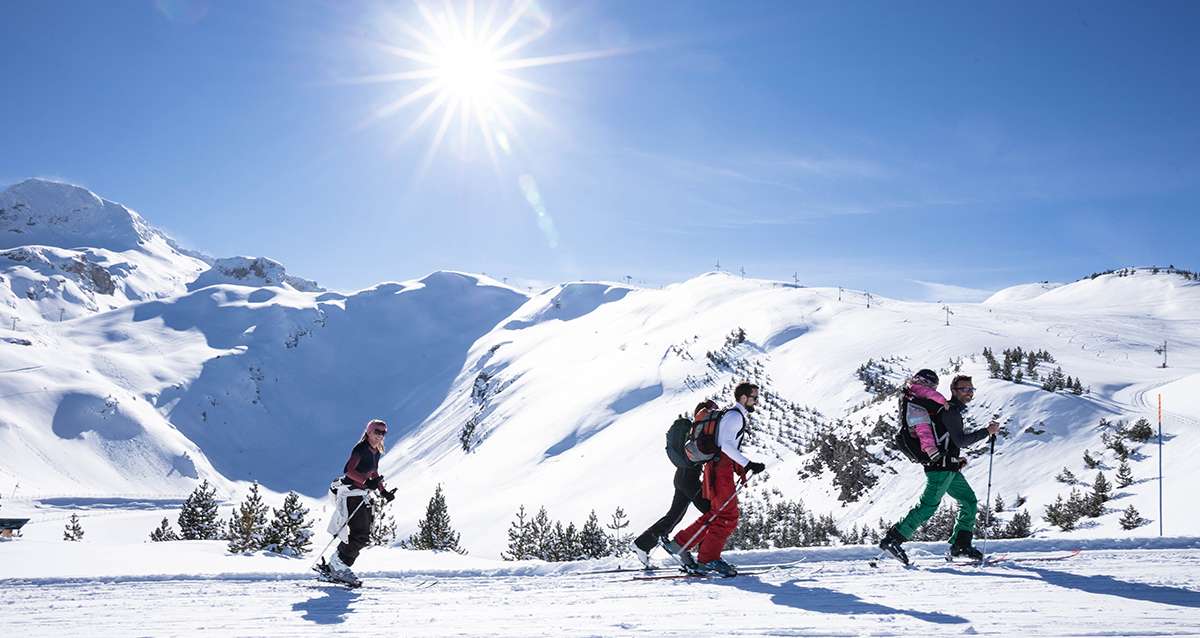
point(252, 527)
point(770, 523)
point(1066, 513)
point(876, 377)
point(1154, 270)
point(1020, 365)
point(539, 537)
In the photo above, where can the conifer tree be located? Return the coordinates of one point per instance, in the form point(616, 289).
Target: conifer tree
point(383, 524)
point(592, 541)
point(290, 530)
point(520, 543)
point(73, 531)
point(248, 525)
point(999, 506)
point(435, 531)
point(198, 518)
point(541, 532)
point(1021, 526)
point(1090, 461)
point(618, 538)
point(164, 532)
point(1132, 519)
point(1060, 515)
point(1066, 476)
point(1124, 475)
point(1101, 488)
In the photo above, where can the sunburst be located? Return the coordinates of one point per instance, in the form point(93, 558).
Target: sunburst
point(465, 63)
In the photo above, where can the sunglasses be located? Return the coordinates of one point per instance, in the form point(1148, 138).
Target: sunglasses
point(379, 432)
point(965, 389)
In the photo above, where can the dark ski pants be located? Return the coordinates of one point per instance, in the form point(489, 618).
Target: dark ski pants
point(712, 529)
point(937, 485)
point(360, 531)
point(687, 491)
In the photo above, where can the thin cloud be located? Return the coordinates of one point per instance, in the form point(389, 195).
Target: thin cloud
point(934, 291)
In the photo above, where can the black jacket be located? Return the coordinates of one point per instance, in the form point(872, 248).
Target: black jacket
point(952, 438)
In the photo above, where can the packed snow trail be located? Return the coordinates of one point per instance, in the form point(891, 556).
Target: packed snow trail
point(1103, 592)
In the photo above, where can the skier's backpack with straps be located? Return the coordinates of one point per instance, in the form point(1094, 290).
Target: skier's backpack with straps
point(693, 442)
point(905, 440)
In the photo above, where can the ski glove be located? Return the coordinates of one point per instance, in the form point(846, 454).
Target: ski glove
point(755, 467)
point(373, 482)
point(388, 495)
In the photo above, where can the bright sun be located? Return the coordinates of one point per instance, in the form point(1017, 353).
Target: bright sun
point(464, 61)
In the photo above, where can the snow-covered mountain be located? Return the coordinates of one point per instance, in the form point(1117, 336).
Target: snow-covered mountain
point(232, 370)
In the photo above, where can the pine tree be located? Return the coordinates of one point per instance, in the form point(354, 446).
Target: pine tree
point(383, 524)
point(999, 506)
point(73, 531)
point(435, 531)
point(1101, 488)
point(1090, 461)
point(1060, 515)
point(939, 526)
point(1021, 526)
point(1077, 388)
point(164, 532)
point(592, 541)
point(1031, 367)
point(198, 518)
point(1132, 519)
point(1066, 476)
point(1141, 431)
point(248, 525)
point(1124, 475)
point(540, 535)
point(520, 544)
point(290, 531)
point(1006, 372)
point(618, 538)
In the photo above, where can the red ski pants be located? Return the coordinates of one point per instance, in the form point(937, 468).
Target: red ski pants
point(719, 485)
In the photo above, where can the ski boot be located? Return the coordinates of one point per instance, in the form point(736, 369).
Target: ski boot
point(682, 555)
point(962, 548)
point(891, 544)
point(720, 567)
point(642, 555)
point(340, 572)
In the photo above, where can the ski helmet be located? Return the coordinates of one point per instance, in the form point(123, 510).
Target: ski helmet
point(927, 375)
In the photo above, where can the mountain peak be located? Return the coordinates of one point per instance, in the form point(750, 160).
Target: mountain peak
point(51, 213)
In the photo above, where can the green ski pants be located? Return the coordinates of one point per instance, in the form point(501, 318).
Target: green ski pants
point(937, 485)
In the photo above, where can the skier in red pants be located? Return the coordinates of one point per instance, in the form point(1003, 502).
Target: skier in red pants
point(711, 530)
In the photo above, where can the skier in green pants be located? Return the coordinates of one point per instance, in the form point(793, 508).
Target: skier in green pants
point(943, 475)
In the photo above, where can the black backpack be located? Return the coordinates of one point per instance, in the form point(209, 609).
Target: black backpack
point(691, 444)
point(905, 440)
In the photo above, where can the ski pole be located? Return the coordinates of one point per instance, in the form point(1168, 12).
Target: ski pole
point(347, 522)
point(987, 525)
point(713, 515)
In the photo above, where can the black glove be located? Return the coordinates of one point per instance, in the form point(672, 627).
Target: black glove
point(388, 495)
point(755, 467)
point(373, 482)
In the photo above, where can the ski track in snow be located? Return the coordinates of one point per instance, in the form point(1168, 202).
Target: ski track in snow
point(1099, 593)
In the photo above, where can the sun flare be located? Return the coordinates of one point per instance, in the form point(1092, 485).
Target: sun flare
point(463, 63)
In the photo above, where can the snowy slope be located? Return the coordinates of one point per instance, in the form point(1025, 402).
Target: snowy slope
point(195, 588)
point(232, 371)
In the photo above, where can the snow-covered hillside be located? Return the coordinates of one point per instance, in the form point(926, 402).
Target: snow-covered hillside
point(232, 370)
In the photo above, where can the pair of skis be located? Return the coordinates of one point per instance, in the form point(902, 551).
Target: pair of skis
point(995, 559)
point(748, 570)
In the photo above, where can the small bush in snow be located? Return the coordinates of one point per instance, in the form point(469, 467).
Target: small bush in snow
point(73, 531)
point(164, 532)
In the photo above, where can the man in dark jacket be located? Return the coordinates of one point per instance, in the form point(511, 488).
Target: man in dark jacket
point(943, 475)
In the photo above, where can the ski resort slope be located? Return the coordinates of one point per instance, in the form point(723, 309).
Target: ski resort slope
point(1113, 588)
point(176, 368)
point(569, 407)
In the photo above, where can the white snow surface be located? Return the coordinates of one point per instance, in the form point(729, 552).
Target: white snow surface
point(1115, 587)
point(233, 371)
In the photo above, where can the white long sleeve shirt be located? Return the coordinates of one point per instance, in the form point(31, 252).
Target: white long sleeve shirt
point(730, 431)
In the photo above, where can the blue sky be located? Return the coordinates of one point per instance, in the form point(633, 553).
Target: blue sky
point(892, 147)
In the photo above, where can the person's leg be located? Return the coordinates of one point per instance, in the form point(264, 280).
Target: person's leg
point(936, 484)
point(360, 531)
point(723, 521)
point(679, 501)
point(691, 532)
point(960, 490)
